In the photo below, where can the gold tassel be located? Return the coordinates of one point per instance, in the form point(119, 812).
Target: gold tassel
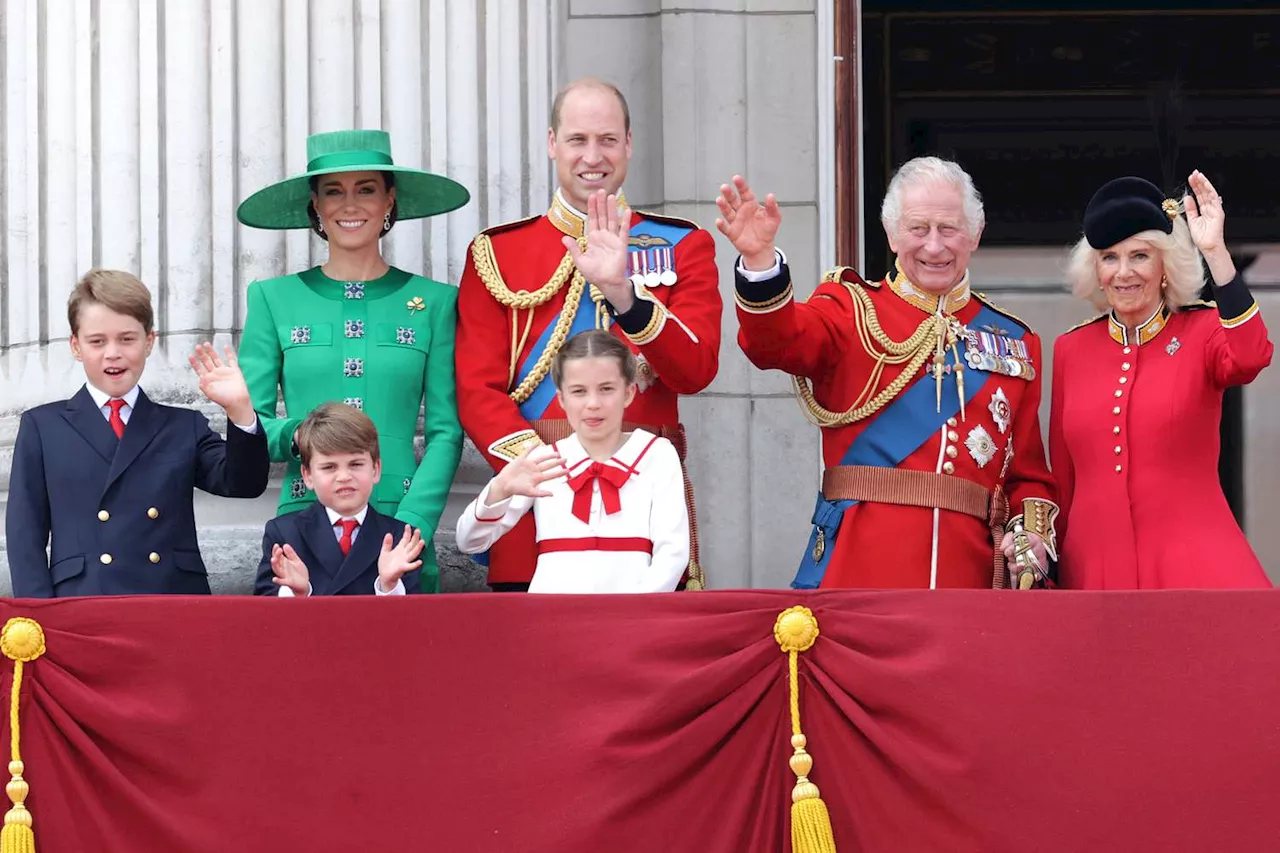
point(796, 631)
point(22, 641)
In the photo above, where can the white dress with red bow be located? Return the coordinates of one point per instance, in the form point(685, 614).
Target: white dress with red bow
point(615, 526)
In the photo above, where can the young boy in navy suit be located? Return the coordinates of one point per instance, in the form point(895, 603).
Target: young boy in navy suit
point(340, 545)
point(106, 479)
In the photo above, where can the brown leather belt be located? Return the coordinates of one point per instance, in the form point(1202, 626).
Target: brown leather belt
point(908, 488)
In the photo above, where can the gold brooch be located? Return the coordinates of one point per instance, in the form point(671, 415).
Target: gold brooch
point(1171, 208)
point(415, 304)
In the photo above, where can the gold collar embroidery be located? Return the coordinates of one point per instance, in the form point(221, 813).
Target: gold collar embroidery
point(569, 219)
point(1146, 332)
point(956, 299)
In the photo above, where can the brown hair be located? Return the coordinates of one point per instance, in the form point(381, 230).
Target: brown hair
point(333, 428)
point(589, 83)
point(119, 291)
point(388, 182)
point(594, 343)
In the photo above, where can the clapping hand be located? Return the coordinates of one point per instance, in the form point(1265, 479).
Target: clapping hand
point(290, 571)
point(397, 560)
point(604, 262)
point(525, 474)
point(223, 383)
point(750, 226)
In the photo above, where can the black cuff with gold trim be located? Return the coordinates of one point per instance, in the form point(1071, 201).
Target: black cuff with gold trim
point(1235, 302)
point(636, 318)
point(762, 293)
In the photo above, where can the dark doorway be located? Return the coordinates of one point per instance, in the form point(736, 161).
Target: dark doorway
point(1043, 102)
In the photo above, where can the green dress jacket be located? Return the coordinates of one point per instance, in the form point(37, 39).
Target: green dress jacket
point(383, 346)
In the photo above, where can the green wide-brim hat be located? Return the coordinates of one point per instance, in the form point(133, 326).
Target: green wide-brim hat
point(418, 194)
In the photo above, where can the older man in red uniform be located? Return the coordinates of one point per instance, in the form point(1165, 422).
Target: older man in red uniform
point(530, 285)
point(927, 396)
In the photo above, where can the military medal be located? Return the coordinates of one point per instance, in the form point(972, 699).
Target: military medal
point(987, 349)
point(982, 447)
point(652, 276)
point(1000, 410)
point(635, 261)
point(666, 266)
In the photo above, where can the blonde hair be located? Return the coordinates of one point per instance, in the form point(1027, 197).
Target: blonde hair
point(1181, 260)
point(119, 291)
point(333, 428)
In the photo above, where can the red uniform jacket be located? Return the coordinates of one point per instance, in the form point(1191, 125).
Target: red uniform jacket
point(997, 442)
point(674, 328)
point(1134, 440)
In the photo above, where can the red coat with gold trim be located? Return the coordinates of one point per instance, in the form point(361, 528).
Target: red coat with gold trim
point(673, 328)
point(1133, 435)
point(997, 442)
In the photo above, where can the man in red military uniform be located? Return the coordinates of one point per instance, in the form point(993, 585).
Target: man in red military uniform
point(927, 396)
point(530, 285)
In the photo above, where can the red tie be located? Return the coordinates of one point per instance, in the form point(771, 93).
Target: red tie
point(610, 478)
point(117, 422)
point(349, 526)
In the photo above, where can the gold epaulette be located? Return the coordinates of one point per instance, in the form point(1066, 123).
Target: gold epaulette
point(1199, 305)
point(510, 226)
point(986, 300)
point(1088, 322)
point(670, 220)
point(847, 275)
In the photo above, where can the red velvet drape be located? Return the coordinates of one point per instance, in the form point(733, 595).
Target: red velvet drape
point(945, 721)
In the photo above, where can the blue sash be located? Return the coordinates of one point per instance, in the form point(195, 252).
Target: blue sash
point(899, 430)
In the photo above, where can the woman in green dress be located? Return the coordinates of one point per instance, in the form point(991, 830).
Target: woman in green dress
point(356, 329)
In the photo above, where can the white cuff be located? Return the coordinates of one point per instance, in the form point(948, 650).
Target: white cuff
point(398, 589)
point(252, 428)
point(762, 275)
point(486, 511)
point(286, 592)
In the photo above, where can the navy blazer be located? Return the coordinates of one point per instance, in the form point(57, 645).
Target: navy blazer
point(313, 538)
point(117, 512)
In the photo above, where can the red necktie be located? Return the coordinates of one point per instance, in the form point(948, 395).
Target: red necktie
point(610, 478)
point(117, 422)
point(348, 527)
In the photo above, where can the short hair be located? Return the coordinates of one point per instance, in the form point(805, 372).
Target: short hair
point(594, 343)
point(388, 181)
point(119, 291)
point(333, 428)
point(1181, 260)
point(588, 83)
point(923, 170)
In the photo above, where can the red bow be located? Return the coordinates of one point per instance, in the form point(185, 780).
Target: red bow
point(610, 478)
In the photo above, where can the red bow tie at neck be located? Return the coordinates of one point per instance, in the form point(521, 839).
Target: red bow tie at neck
point(610, 478)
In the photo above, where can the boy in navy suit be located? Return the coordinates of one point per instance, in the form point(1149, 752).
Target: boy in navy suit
point(340, 545)
point(106, 479)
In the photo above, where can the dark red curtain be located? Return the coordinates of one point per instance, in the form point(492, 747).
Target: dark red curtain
point(945, 721)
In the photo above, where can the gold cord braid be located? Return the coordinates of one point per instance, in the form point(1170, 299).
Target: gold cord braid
point(487, 269)
point(914, 351)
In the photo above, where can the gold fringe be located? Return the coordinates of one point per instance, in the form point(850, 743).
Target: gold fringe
point(22, 641)
point(796, 630)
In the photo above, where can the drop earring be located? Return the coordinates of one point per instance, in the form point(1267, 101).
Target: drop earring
point(386, 222)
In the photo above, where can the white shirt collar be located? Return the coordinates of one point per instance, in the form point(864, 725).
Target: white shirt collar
point(334, 517)
point(101, 397)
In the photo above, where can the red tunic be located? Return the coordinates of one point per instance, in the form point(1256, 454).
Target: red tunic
point(676, 331)
point(1133, 436)
point(890, 545)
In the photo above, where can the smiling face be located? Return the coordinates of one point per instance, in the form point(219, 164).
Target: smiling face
point(1131, 273)
point(932, 240)
point(594, 393)
point(352, 207)
point(592, 146)
point(342, 481)
point(113, 348)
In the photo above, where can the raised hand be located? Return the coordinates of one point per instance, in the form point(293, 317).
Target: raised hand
point(525, 474)
point(750, 226)
point(604, 263)
point(395, 561)
point(289, 570)
point(1205, 219)
point(223, 383)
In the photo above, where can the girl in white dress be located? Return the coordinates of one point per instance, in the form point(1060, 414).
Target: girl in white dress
point(608, 505)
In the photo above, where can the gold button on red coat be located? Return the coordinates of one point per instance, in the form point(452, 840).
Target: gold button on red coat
point(948, 467)
point(1119, 392)
point(1119, 450)
point(1124, 366)
point(1116, 410)
point(1116, 430)
point(1124, 379)
point(952, 452)
point(1117, 469)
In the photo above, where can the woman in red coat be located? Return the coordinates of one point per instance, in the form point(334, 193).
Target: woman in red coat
point(1137, 396)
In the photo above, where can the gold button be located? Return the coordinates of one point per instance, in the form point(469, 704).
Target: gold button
point(1118, 469)
point(951, 422)
point(951, 452)
point(105, 559)
point(155, 558)
point(952, 435)
point(103, 515)
point(1124, 366)
point(1119, 392)
point(1116, 430)
point(948, 467)
point(1124, 379)
point(1116, 410)
point(1119, 450)
point(1127, 350)
point(153, 513)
